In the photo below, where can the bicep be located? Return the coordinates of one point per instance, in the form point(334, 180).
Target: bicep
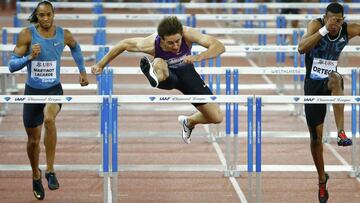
point(140, 44)
point(207, 40)
point(23, 43)
point(194, 36)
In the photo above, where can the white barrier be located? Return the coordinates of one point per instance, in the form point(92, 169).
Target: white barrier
point(124, 99)
point(151, 30)
point(95, 99)
point(199, 17)
point(310, 99)
point(248, 70)
point(231, 50)
point(147, 5)
point(109, 16)
point(37, 99)
point(229, 17)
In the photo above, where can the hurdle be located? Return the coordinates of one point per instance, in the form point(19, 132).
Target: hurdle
point(111, 131)
point(108, 117)
point(191, 5)
point(265, 99)
point(242, 70)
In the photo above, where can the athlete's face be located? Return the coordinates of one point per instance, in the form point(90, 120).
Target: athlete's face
point(333, 22)
point(172, 43)
point(45, 16)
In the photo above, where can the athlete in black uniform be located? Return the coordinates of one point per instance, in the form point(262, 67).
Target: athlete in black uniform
point(323, 43)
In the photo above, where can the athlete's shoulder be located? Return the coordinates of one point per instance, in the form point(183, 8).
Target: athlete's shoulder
point(353, 29)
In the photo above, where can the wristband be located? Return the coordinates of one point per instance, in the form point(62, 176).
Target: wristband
point(323, 31)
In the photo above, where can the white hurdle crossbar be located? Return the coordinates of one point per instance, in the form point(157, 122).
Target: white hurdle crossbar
point(151, 30)
point(198, 17)
point(248, 70)
point(231, 50)
point(191, 5)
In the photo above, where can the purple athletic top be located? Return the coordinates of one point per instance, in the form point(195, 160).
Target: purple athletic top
point(173, 60)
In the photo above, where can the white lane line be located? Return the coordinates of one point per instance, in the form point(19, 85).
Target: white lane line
point(339, 157)
point(233, 181)
point(109, 189)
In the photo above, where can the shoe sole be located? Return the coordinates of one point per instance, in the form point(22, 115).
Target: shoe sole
point(50, 188)
point(148, 71)
point(343, 144)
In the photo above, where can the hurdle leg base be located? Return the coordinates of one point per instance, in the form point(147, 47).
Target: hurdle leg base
point(228, 174)
point(353, 174)
point(236, 173)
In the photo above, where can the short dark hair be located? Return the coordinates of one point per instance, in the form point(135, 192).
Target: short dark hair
point(170, 25)
point(33, 18)
point(335, 8)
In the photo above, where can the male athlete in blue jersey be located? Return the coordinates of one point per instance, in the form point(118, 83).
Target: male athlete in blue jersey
point(323, 43)
point(39, 48)
point(173, 66)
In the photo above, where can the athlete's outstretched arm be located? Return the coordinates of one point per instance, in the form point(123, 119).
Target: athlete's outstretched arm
point(77, 55)
point(214, 46)
point(18, 59)
point(145, 45)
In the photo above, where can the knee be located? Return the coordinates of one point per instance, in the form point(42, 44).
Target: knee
point(49, 121)
point(218, 118)
point(335, 81)
point(33, 140)
point(315, 139)
point(161, 69)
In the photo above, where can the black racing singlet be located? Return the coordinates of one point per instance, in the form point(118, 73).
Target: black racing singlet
point(323, 58)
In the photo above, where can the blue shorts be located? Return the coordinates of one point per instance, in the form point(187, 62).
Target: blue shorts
point(33, 114)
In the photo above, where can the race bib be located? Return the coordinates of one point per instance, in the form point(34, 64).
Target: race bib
point(321, 68)
point(43, 70)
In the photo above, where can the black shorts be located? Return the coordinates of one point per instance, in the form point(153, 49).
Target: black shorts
point(186, 80)
point(33, 114)
point(315, 113)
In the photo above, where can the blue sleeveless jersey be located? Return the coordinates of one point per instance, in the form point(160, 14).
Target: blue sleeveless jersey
point(323, 58)
point(173, 60)
point(44, 70)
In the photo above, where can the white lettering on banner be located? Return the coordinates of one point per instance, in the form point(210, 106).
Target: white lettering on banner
point(290, 71)
point(321, 68)
point(44, 70)
point(188, 99)
point(344, 100)
point(175, 62)
point(44, 99)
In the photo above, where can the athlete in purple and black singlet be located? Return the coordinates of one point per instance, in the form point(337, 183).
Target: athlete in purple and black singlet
point(173, 60)
point(182, 76)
